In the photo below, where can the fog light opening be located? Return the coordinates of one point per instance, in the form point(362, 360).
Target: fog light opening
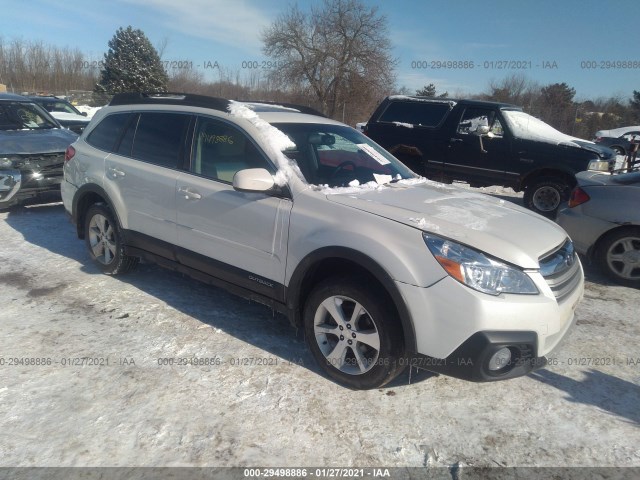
point(501, 361)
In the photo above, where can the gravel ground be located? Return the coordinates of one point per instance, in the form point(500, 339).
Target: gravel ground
point(260, 400)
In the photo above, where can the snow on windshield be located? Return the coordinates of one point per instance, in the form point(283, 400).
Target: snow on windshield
point(527, 127)
point(275, 141)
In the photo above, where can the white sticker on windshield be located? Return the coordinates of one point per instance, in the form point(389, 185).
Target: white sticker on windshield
point(382, 179)
point(373, 153)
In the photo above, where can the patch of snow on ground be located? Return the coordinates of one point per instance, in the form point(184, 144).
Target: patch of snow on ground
point(237, 409)
point(90, 111)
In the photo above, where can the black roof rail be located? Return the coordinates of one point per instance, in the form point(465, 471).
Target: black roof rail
point(170, 98)
point(193, 100)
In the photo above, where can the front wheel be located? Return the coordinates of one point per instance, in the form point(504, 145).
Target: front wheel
point(618, 256)
point(104, 241)
point(353, 333)
point(545, 195)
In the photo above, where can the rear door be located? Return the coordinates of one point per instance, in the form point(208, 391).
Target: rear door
point(237, 236)
point(142, 171)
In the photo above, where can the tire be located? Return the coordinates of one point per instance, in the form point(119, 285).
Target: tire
point(618, 256)
point(545, 195)
point(360, 352)
point(104, 241)
point(618, 150)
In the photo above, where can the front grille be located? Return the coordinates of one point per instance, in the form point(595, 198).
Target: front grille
point(561, 270)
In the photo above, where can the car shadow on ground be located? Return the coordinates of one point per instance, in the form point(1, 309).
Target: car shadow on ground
point(607, 392)
point(47, 226)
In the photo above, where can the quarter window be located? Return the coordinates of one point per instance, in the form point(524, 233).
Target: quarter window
point(108, 131)
point(425, 114)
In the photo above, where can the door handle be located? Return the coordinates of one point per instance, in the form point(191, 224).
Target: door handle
point(189, 194)
point(455, 140)
point(115, 173)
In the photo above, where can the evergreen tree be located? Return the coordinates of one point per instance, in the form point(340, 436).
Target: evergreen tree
point(132, 64)
point(430, 91)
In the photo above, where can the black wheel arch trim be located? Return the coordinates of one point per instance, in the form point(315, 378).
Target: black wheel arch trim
point(308, 265)
point(81, 193)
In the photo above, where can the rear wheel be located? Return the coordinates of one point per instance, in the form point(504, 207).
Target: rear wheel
point(104, 241)
point(618, 150)
point(618, 256)
point(545, 195)
point(353, 333)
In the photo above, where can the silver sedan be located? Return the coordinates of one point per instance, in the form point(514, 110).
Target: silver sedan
point(603, 220)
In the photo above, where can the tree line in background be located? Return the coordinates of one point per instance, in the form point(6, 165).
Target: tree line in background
point(336, 57)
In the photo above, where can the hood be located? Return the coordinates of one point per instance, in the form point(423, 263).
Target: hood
point(603, 152)
point(497, 227)
point(27, 142)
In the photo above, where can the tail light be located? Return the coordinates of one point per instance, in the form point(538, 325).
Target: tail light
point(578, 197)
point(69, 153)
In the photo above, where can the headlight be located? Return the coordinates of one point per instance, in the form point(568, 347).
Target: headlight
point(478, 271)
point(598, 166)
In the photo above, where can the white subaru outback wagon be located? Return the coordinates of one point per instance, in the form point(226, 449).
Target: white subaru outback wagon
point(380, 268)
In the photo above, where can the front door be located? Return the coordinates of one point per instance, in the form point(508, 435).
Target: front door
point(241, 237)
point(478, 158)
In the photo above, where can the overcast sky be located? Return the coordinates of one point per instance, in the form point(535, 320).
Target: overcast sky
point(547, 40)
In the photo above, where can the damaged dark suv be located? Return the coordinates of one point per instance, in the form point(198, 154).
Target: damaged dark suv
point(32, 146)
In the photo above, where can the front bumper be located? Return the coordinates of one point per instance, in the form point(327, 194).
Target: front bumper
point(470, 361)
point(10, 182)
point(458, 329)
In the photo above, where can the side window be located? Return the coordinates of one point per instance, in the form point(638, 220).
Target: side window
point(221, 150)
point(480, 117)
point(159, 138)
point(425, 114)
point(108, 131)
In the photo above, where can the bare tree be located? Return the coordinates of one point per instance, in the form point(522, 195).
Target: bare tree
point(331, 50)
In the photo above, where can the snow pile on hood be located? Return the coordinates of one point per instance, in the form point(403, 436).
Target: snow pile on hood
point(275, 141)
point(528, 127)
point(356, 187)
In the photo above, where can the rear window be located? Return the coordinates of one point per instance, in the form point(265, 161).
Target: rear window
point(160, 137)
point(108, 131)
point(425, 114)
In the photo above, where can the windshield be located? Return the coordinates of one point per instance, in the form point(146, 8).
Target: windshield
point(23, 116)
point(340, 156)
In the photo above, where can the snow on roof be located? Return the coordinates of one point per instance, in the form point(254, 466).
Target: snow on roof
point(275, 141)
point(528, 127)
point(269, 107)
point(451, 103)
point(401, 124)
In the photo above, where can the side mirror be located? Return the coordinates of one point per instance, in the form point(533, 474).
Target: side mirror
point(253, 180)
point(84, 114)
point(482, 130)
